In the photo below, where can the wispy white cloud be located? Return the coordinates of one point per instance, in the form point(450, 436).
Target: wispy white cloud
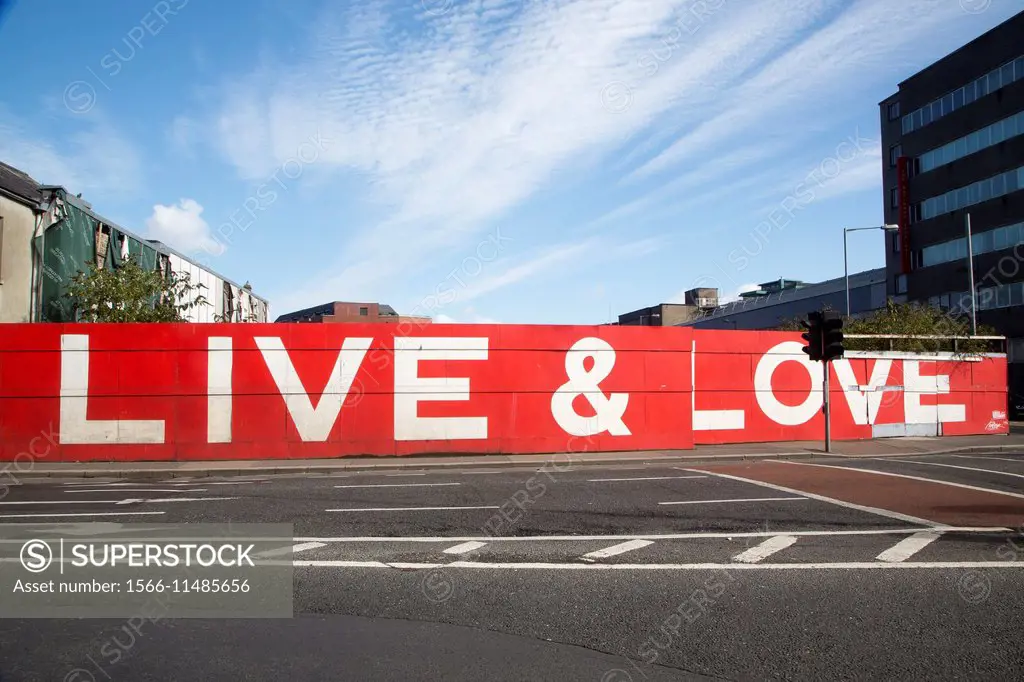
point(477, 108)
point(96, 158)
point(814, 74)
point(456, 125)
point(184, 134)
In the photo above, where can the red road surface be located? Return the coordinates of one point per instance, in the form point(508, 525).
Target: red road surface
point(935, 501)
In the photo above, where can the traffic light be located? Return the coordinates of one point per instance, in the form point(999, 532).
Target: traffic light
point(814, 335)
point(832, 336)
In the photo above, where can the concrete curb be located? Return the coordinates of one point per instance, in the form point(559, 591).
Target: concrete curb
point(971, 449)
point(389, 466)
point(341, 465)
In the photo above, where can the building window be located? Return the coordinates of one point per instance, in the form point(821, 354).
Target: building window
point(894, 197)
point(989, 188)
point(901, 284)
point(894, 111)
point(981, 242)
point(896, 242)
point(952, 101)
point(895, 152)
point(364, 311)
point(975, 141)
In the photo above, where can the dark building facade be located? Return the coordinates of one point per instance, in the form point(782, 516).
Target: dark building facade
point(953, 147)
point(344, 311)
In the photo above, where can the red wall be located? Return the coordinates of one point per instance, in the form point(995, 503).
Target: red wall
point(158, 392)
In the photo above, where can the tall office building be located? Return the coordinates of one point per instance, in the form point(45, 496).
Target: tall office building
point(953, 148)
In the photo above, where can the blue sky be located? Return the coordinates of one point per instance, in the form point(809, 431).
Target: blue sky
point(477, 160)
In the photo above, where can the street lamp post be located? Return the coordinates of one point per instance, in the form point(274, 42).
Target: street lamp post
point(846, 265)
point(970, 277)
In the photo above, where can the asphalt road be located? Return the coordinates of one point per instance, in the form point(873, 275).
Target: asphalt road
point(908, 568)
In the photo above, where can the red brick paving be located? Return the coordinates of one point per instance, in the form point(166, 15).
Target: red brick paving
point(934, 501)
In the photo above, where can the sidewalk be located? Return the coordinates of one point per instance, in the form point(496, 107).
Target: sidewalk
point(885, 447)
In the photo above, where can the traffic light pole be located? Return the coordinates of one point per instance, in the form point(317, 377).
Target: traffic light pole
point(826, 410)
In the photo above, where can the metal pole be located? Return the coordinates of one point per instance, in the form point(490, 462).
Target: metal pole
point(970, 277)
point(846, 274)
point(828, 426)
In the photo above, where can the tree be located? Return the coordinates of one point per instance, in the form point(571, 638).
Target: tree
point(131, 294)
point(911, 319)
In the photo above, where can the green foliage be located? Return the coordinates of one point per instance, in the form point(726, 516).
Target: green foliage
point(911, 319)
point(131, 294)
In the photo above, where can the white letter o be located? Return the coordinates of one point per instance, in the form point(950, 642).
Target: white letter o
point(787, 415)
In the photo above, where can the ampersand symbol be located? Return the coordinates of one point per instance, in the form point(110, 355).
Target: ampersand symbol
point(609, 409)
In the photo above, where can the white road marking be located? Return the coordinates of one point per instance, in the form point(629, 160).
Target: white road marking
point(385, 509)
point(395, 485)
point(127, 484)
point(234, 482)
point(659, 567)
point(23, 502)
point(398, 475)
point(33, 516)
point(907, 476)
point(667, 536)
point(615, 550)
point(168, 499)
point(831, 500)
point(747, 499)
point(1019, 460)
point(908, 547)
point(954, 466)
point(465, 547)
point(765, 549)
point(641, 478)
point(301, 547)
point(481, 473)
point(139, 490)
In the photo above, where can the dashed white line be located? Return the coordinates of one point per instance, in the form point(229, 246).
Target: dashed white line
point(765, 549)
point(36, 516)
point(907, 476)
point(954, 466)
point(746, 499)
point(168, 499)
point(830, 500)
point(301, 547)
point(465, 547)
point(24, 502)
point(665, 536)
point(233, 482)
point(401, 475)
point(659, 567)
point(139, 490)
point(396, 485)
point(908, 547)
point(641, 478)
point(389, 509)
point(615, 550)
